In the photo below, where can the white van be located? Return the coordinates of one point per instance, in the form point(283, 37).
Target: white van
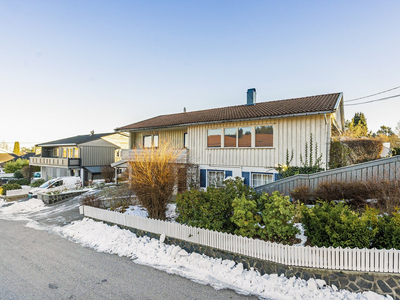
point(57, 184)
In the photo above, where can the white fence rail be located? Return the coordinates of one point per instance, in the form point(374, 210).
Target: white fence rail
point(23, 191)
point(376, 170)
point(364, 260)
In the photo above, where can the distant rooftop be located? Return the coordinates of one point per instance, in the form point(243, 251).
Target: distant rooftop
point(75, 140)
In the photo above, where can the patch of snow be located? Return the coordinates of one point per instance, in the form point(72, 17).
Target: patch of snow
point(300, 235)
point(200, 268)
point(137, 210)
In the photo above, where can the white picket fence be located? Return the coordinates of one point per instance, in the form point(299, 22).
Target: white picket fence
point(364, 260)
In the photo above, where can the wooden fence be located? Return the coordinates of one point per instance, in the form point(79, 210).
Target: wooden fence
point(364, 260)
point(376, 170)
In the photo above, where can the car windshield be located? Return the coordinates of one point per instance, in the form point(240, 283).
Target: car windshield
point(46, 184)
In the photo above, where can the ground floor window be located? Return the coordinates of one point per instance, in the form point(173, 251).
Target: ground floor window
point(216, 178)
point(261, 179)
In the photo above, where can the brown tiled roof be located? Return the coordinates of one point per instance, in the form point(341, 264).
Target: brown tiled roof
point(304, 105)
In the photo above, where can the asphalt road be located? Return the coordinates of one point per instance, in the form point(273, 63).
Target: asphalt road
point(35, 264)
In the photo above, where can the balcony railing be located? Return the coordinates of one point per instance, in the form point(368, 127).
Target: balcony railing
point(55, 162)
point(135, 154)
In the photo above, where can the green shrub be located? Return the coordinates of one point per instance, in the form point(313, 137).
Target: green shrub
point(21, 181)
point(330, 224)
point(37, 183)
point(18, 174)
point(10, 186)
point(246, 217)
point(212, 209)
point(388, 235)
point(277, 216)
point(12, 166)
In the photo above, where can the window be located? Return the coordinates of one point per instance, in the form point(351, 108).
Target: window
point(214, 138)
point(244, 137)
point(230, 137)
point(76, 152)
point(56, 152)
point(147, 141)
point(216, 178)
point(64, 152)
point(264, 136)
point(155, 141)
point(261, 179)
point(185, 140)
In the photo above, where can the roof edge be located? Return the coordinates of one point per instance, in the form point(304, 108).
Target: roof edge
point(233, 120)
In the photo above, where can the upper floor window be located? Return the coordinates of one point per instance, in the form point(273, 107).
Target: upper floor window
point(65, 152)
point(264, 136)
point(244, 139)
point(155, 141)
point(150, 141)
point(185, 140)
point(147, 141)
point(214, 138)
point(76, 152)
point(230, 137)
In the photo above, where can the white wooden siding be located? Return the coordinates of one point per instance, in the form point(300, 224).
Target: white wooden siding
point(289, 133)
point(175, 136)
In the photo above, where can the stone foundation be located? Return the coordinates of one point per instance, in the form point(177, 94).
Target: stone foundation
point(381, 283)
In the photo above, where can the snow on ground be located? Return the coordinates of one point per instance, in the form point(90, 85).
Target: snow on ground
point(32, 205)
point(202, 269)
point(300, 235)
point(140, 211)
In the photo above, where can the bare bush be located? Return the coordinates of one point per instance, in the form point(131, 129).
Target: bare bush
point(302, 194)
point(387, 195)
point(92, 200)
point(153, 175)
point(108, 173)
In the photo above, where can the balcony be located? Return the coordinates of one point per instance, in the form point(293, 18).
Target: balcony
point(134, 154)
point(55, 162)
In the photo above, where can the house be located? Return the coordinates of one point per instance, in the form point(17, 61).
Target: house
point(82, 155)
point(247, 140)
point(6, 156)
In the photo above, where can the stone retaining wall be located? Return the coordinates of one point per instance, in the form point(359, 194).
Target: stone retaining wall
point(381, 283)
point(50, 199)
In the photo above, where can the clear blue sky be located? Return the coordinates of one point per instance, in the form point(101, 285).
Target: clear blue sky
point(68, 67)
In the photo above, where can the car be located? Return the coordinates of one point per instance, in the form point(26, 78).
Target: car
point(57, 184)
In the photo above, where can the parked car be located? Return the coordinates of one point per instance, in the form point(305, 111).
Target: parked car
point(57, 184)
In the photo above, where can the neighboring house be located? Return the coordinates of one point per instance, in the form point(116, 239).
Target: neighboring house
point(6, 156)
point(82, 155)
point(246, 140)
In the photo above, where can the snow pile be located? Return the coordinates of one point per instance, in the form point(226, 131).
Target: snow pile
point(301, 235)
point(140, 211)
point(200, 268)
point(32, 205)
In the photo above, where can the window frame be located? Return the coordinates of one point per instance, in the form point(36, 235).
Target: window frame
point(220, 137)
point(255, 136)
point(144, 141)
point(263, 174)
point(236, 137)
point(217, 182)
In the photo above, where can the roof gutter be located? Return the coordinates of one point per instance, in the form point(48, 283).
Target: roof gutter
point(233, 120)
point(55, 145)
